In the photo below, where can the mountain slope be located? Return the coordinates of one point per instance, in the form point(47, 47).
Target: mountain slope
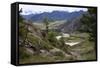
point(71, 26)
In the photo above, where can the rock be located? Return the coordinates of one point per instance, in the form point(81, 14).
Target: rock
point(30, 50)
point(55, 51)
point(45, 53)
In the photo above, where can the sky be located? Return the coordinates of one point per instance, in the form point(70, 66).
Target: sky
point(36, 9)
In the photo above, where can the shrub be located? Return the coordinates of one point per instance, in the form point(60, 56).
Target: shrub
point(23, 53)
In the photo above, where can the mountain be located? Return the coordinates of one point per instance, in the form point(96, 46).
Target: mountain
point(53, 16)
point(27, 17)
point(71, 26)
point(60, 20)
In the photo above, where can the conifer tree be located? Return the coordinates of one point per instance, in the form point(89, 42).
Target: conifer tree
point(89, 22)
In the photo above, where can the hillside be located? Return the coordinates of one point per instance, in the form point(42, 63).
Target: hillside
point(71, 26)
point(36, 46)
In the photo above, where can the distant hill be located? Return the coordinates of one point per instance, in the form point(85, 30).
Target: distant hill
point(70, 26)
point(53, 16)
point(27, 17)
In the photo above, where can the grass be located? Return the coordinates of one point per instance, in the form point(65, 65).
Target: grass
point(86, 50)
point(41, 59)
point(89, 51)
point(73, 39)
point(36, 59)
point(23, 54)
point(38, 42)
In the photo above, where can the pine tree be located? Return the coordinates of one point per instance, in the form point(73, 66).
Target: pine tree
point(46, 23)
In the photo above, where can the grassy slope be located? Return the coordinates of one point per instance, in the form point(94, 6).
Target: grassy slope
point(84, 51)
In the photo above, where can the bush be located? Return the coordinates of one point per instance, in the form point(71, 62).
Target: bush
point(52, 38)
point(23, 54)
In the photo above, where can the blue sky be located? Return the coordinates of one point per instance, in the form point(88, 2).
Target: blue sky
point(33, 9)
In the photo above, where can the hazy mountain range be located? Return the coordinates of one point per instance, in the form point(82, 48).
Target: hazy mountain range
point(53, 16)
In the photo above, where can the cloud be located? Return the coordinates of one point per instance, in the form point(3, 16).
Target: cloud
point(29, 9)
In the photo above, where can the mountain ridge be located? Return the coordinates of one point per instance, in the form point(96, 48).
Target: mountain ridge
point(53, 16)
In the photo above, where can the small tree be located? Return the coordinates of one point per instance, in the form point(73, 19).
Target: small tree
point(46, 23)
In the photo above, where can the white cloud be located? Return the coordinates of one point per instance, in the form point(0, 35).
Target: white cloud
point(29, 9)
